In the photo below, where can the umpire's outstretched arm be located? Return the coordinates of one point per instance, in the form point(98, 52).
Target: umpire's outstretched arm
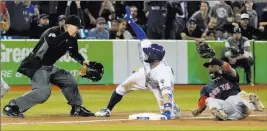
point(74, 53)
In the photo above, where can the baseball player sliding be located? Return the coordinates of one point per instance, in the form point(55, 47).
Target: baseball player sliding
point(155, 75)
point(222, 95)
point(4, 87)
point(4, 26)
point(39, 67)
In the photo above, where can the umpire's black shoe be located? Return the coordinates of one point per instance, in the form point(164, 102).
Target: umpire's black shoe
point(80, 111)
point(12, 110)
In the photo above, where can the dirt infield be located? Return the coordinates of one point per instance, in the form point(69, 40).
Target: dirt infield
point(257, 119)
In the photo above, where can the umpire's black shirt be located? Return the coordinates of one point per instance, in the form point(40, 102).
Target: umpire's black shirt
point(53, 44)
point(59, 44)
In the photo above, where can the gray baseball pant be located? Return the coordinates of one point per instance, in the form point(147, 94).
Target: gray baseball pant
point(41, 89)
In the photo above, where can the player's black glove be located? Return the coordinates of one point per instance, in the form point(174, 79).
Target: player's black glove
point(205, 51)
point(94, 71)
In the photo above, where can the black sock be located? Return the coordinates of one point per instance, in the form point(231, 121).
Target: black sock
point(115, 98)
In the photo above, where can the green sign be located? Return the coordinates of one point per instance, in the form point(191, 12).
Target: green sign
point(197, 74)
point(13, 52)
point(261, 62)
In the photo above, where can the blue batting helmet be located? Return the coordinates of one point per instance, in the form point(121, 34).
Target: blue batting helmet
point(154, 52)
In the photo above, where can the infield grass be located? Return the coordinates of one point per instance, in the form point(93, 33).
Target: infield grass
point(138, 101)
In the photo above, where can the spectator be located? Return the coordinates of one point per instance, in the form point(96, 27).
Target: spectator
point(213, 3)
point(99, 32)
point(49, 8)
point(212, 29)
point(79, 10)
point(91, 9)
point(210, 35)
point(122, 32)
point(4, 16)
point(228, 28)
point(21, 17)
point(95, 9)
point(237, 53)
point(237, 18)
point(192, 32)
point(43, 24)
point(253, 17)
point(61, 20)
point(191, 7)
point(156, 12)
point(223, 14)
point(114, 29)
point(238, 7)
point(175, 22)
point(260, 7)
point(120, 9)
point(201, 16)
point(107, 10)
point(264, 17)
point(247, 30)
point(263, 23)
point(134, 14)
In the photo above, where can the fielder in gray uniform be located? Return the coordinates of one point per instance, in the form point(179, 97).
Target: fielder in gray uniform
point(39, 67)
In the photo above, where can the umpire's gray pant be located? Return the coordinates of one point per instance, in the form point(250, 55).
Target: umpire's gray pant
point(41, 89)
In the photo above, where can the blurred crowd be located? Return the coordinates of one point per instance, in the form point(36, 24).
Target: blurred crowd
point(186, 20)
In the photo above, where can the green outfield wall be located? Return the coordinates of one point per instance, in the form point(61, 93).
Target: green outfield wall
point(120, 58)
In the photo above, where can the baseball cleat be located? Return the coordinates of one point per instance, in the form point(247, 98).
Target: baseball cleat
point(177, 112)
point(254, 99)
point(219, 114)
point(103, 113)
point(77, 111)
point(12, 110)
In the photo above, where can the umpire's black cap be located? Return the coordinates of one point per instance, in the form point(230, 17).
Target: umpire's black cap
point(74, 20)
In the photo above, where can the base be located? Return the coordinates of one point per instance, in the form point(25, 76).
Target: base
point(147, 116)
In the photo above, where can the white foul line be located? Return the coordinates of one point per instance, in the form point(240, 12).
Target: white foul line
point(64, 122)
point(95, 121)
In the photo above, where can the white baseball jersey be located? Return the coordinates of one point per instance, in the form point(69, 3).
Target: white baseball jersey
point(4, 87)
point(159, 80)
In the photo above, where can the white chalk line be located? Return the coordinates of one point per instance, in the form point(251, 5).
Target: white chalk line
point(95, 121)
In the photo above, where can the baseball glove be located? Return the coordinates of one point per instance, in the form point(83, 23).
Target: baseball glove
point(4, 25)
point(94, 71)
point(205, 51)
point(196, 112)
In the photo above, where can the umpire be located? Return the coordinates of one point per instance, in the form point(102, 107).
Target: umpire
point(237, 53)
point(39, 67)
